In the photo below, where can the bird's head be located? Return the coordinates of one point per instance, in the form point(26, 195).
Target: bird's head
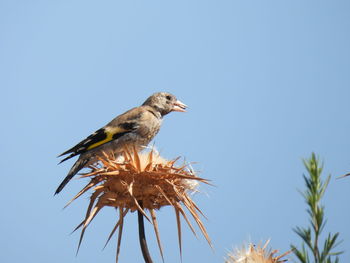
point(164, 103)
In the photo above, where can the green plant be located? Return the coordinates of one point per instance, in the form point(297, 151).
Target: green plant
point(315, 189)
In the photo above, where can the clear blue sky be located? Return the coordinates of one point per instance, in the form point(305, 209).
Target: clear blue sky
point(267, 83)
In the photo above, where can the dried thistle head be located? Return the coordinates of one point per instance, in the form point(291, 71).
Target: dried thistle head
point(141, 181)
point(256, 254)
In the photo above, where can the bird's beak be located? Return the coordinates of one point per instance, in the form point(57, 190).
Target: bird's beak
point(179, 106)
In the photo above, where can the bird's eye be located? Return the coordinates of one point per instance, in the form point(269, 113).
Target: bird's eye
point(168, 97)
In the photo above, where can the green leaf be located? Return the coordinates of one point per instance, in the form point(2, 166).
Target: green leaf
point(315, 190)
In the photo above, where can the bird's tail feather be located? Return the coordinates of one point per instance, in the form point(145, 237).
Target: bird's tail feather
point(79, 164)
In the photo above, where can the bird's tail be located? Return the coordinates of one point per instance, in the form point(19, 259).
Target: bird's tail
point(79, 164)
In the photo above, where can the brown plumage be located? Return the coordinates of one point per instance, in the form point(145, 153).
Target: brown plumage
point(136, 128)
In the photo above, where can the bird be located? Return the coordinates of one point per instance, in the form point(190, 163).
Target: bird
point(136, 128)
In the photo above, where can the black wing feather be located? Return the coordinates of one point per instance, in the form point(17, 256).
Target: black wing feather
point(81, 147)
point(96, 137)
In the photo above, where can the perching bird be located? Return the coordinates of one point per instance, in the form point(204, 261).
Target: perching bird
point(136, 127)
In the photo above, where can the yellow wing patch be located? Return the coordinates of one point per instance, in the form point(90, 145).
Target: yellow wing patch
point(110, 133)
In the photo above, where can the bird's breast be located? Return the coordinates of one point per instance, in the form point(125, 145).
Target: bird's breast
point(148, 130)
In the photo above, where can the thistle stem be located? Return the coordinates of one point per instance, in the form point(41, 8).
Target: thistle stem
point(142, 237)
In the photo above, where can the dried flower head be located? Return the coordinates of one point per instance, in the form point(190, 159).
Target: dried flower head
point(139, 182)
point(256, 254)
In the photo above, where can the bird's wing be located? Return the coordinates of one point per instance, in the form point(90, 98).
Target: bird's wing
point(118, 127)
